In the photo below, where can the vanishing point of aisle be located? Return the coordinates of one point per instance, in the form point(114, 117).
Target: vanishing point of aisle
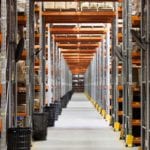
point(80, 127)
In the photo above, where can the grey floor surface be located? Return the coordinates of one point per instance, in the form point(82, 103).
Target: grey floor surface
point(80, 127)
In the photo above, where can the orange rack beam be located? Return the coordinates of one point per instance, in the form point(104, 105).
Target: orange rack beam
point(0, 125)
point(79, 17)
point(75, 30)
point(136, 54)
point(136, 21)
point(37, 88)
point(136, 122)
point(120, 99)
point(137, 140)
point(22, 20)
point(77, 39)
point(136, 104)
point(120, 87)
point(76, 46)
point(63, 51)
point(21, 114)
point(120, 113)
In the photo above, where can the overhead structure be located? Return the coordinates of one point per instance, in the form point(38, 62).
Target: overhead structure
point(77, 43)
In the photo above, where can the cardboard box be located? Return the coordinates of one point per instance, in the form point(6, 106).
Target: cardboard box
point(60, 5)
point(21, 108)
point(49, 5)
point(71, 5)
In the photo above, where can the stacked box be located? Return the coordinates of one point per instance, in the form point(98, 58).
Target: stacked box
point(136, 9)
point(85, 5)
point(21, 71)
point(21, 108)
point(71, 5)
point(60, 5)
point(49, 5)
point(105, 5)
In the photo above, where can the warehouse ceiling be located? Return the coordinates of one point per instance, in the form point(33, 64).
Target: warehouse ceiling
point(78, 27)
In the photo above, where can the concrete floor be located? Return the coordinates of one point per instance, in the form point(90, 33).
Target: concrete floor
point(80, 127)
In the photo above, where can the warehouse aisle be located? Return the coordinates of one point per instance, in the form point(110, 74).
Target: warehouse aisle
point(80, 127)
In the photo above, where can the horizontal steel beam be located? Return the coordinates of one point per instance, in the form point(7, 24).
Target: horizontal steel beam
point(79, 17)
point(75, 30)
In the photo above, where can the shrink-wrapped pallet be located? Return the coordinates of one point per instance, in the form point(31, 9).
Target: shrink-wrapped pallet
point(37, 78)
point(21, 71)
point(136, 76)
point(85, 5)
point(119, 79)
point(36, 104)
point(60, 5)
point(37, 95)
point(109, 5)
point(93, 5)
point(101, 5)
point(21, 5)
point(136, 7)
point(21, 108)
point(49, 5)
point(135, 48)
point(71, 5)
point(106, 5)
